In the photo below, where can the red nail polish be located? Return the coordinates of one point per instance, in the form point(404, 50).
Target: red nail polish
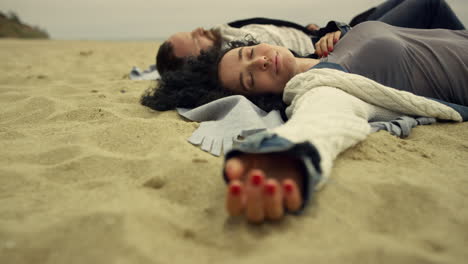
point(330, 49)
point(256, 179)
point(270, 189)
point(335, 41)
point(325, 54)
point(235, 190)
point(288, 188)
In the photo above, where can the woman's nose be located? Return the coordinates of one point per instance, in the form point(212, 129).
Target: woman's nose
point(261, 62)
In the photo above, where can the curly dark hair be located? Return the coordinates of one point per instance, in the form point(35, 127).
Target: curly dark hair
point(194, 84)
point(197, 83)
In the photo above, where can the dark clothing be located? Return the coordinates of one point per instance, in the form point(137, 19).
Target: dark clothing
point(315, 35)
point(431, 63)
point(423, 14)
point(268, 21)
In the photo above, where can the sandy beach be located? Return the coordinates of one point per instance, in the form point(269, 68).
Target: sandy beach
point(88, 175)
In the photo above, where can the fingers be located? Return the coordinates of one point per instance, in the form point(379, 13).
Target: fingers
point(251, 194)
point(330, 42)
point(254, 208)
point(320, 48)
point(336, 36)
point(273, 200)
point(292, 195)
point(261, 198)
point(327, 43)
point(235, 199)
point(234, 169)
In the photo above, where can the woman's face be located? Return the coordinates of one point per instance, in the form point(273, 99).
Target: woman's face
point(191, 43)
point(257, 69)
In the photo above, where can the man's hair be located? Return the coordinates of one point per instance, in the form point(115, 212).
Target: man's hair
point(166, 59)
point(197, 83)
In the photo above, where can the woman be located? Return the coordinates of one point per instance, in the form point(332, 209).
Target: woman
point(423, 14)
point(329, 109)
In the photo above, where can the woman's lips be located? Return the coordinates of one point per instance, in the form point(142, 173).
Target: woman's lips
point(277, 63)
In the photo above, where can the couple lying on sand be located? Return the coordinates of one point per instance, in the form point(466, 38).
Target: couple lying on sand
point(373, 71)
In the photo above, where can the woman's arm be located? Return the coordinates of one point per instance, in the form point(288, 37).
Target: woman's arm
point(325, 122)
point(328, 114)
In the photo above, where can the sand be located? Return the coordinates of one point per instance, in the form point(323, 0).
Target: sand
point(87, 175)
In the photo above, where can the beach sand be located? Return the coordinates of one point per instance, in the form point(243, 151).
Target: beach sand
point(88, 175)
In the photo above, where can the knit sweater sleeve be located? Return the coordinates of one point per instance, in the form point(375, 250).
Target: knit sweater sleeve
point(328, 113)
point(369, 91)
point(331, 109)
point(329, 119)
point(325, 121)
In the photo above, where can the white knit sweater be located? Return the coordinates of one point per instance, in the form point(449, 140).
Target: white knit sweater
point(290, 38)
point(331, 109)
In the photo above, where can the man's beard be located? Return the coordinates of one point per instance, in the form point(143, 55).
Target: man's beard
point(215, 37)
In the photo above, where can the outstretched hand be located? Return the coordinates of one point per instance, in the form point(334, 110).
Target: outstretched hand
point(262, 186)
point(327, 43)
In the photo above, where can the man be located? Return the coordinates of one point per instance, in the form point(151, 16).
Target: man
point(299, 39)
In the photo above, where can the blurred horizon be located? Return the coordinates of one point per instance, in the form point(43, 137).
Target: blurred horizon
point(156, 20)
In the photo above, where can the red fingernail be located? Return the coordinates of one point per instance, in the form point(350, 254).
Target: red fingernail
point(335, 41)
point(270, 189)
point(325, 54)
point(235, 190)
point(288, 188)
point(256, 179)
point(330, 49)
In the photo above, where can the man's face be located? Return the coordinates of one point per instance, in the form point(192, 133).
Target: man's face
point(191, 43)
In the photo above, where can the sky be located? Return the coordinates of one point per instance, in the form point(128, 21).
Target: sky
point(157, 19)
